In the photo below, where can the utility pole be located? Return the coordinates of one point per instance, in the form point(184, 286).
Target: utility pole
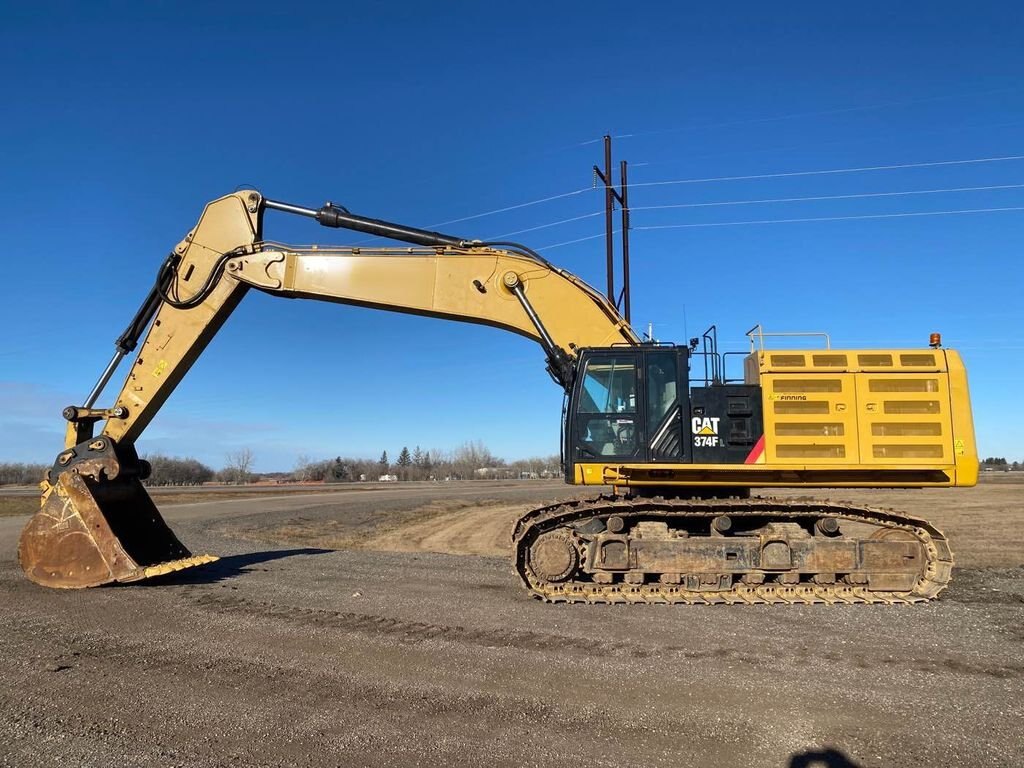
point(624, 200)
point(611, 195)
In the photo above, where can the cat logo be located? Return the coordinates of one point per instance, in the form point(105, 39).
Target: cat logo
point(704, 425)
point(705, 431)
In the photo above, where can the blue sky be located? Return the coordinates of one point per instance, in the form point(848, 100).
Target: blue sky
point(122, 120)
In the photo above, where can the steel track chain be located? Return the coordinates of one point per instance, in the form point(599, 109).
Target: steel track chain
point(934, 579)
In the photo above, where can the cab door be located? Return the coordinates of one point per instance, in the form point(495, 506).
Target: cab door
point(607, 411)
point(666, 399)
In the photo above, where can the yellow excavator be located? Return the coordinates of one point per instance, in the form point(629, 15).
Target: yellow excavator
point(679, 442)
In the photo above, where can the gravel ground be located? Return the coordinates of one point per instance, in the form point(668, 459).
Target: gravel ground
point(286, 654)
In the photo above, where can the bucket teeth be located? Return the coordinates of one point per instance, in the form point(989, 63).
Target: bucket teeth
point(178, 565)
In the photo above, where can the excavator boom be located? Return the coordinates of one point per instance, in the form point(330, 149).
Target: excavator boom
point(224, 256)
point(97, 524)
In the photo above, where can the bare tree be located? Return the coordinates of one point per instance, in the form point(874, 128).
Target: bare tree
point(302, 469)
point(239, 466)
point(472, 456)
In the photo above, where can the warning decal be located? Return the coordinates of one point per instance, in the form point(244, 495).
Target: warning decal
point(756, 455)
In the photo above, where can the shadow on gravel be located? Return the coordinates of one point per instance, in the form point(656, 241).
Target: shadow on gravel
point(229, 567)
point(824, 758)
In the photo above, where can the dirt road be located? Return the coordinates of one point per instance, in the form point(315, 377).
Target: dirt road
point(389, 651)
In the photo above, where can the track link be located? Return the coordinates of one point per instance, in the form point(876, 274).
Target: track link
point(563, 518)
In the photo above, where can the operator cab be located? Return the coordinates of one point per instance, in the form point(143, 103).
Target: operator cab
point(638, 405)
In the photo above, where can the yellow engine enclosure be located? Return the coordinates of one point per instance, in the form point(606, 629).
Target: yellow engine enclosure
point(840, 418)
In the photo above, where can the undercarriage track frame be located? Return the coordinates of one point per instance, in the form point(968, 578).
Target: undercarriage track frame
point(936, 575)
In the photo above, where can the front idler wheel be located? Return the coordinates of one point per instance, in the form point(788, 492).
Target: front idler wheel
point(553, 556)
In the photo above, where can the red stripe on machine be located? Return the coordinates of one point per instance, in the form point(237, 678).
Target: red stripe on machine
point(755, 452)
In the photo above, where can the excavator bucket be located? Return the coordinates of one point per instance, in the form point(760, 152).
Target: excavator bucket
point(93, 529)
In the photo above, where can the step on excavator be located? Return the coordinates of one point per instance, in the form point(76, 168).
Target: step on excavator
point(680, 444)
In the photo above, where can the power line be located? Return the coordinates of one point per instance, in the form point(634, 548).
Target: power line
point(513, 207)
point(827, 218)
point(831, 171)
point(759, 201)
point(496, 211)
point(828, 171)
point(553, 224)
point(818, 197)
point(577, 240)
point(582, 190)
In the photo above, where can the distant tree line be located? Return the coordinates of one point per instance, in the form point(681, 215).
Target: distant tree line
point(175, 470)
point(995, 462)
point(184, 470)
point(470, 461)
point(167, 470)
point(340, 469)
point(22, 474)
